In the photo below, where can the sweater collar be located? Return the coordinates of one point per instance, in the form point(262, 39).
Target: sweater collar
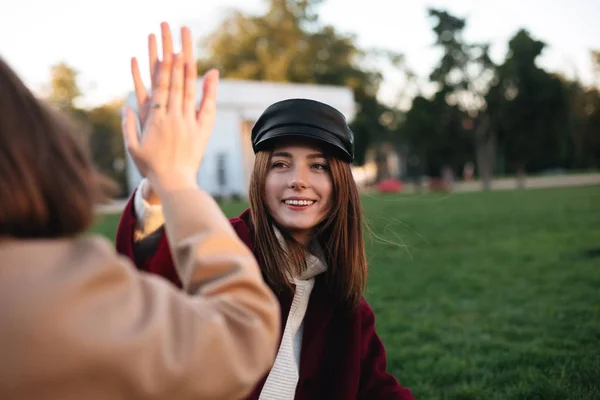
point(315, 258)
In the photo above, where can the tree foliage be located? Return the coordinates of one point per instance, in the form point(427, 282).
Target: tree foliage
point(289, 44)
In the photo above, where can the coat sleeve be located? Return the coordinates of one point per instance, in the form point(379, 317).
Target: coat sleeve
point(375, 381)
point(152, 253)
point(136, 333)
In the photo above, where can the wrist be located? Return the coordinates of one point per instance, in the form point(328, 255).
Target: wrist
point(163, 185)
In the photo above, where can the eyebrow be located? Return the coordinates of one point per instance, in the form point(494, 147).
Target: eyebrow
point(285, 154)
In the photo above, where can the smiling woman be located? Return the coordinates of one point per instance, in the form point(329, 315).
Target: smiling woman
point(304, 226)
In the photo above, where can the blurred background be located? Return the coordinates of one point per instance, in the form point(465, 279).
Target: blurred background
point(477, 130)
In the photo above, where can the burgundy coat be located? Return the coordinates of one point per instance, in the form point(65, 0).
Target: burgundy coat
point(341, 358)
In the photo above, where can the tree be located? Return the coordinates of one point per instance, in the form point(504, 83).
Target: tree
point(437, 133)
point(106, 142)
point(595, 55)
point(99, 127)
point(591, 132)
point(534, 109)
point(591, 129)
point(64, 89)
point(289, 44)
point(584, 123)
point(464, 75)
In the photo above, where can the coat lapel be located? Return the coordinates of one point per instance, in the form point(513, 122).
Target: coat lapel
point(319, 313)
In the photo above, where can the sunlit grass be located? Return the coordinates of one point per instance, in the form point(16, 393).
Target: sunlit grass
point(485, 295)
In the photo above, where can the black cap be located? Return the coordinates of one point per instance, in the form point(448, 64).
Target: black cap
point(305, 118)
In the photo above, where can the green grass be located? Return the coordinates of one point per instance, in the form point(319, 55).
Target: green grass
point(485, 295)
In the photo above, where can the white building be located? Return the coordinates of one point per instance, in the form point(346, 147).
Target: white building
point(227, 164)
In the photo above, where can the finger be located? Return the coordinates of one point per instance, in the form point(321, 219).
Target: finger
point(155, 76)
point(152, 55)
point(164, 66)
point(167, 43)
point(176, 88)
point(130, 132)
point(140, 90)
point(187, 44)
point(160, 90)
point(191, 73)
point(208, 106)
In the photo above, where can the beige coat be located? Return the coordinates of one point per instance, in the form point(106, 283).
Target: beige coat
point(78, 322)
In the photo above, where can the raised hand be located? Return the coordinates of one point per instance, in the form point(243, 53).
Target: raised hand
point(174, 132)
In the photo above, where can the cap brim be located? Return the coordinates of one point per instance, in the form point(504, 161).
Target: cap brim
point(331, 144)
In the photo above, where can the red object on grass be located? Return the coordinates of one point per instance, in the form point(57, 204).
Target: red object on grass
point(390, 186)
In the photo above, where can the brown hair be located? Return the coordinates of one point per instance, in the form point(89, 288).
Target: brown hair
point(48, 185)
point(340, 235)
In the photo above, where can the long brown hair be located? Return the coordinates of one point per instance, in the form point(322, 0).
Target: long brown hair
point(340, 235)
point(48, 185)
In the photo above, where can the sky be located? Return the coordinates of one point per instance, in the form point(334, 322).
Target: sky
point(99, 38)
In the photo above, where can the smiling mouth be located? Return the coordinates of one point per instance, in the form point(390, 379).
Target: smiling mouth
point(299, 203)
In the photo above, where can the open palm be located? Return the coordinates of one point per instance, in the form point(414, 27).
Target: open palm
point(175, 132)
point(199, 119)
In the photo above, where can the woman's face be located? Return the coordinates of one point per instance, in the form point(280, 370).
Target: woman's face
point(298, 189)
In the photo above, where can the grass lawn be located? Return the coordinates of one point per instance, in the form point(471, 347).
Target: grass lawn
point(485, 295)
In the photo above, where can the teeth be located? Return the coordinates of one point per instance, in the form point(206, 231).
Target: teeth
point(299, 202)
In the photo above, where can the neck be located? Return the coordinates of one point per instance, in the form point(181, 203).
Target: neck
point(304, 238)
point(313, 254)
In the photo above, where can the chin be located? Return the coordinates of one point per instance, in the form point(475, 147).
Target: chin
point(298, 225)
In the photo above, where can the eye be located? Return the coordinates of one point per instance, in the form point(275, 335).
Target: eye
point(278, 164)
point(320, 167)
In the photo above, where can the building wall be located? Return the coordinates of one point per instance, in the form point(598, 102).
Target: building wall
point(224, 143)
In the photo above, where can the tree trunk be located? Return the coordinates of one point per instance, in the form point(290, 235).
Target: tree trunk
point(485, 152)
point(521, 175)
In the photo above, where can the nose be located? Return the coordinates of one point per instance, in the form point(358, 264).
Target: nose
point(297, 185)
point(298, 179)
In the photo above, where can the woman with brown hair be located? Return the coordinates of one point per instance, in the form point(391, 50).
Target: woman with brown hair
point(78, 321)
point(304, 225)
